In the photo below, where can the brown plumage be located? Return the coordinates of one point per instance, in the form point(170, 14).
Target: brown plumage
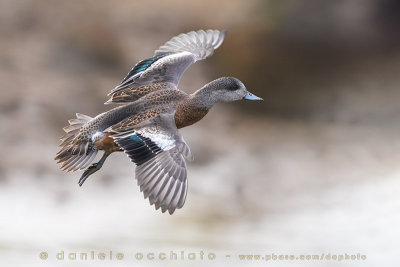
point(187, 113)
point(128, 95)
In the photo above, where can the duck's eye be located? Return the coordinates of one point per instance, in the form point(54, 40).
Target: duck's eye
point(234, 87)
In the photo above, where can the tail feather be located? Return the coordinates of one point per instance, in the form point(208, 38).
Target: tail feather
point(71, 128)
point(83, 117)
point(74, 154)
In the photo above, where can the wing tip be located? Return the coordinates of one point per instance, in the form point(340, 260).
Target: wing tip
point(194, 42)
point(166, 190)
point(223, 33)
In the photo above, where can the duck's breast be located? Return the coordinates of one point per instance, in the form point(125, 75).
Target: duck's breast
point(187, 114)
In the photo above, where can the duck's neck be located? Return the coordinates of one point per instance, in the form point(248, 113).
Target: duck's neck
point(205, 97)
point(195, 107)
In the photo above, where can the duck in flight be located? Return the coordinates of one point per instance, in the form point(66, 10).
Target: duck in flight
point(145, 124)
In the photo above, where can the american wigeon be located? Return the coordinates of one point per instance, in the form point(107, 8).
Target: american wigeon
point(146, 125)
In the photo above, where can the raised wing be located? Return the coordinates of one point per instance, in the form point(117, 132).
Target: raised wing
point(200, 44)
point(158, 150)
point(167, 66)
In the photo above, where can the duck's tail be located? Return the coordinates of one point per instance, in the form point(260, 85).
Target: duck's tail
point(76, 152)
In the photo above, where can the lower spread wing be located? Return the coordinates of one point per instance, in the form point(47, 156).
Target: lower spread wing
point(167, 66)
point(158, 150)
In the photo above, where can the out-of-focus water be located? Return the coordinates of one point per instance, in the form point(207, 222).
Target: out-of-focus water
point(284, 188)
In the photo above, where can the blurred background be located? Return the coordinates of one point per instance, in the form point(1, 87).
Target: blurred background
point(312, 169)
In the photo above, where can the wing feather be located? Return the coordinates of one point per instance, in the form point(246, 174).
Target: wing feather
point(159, 151)
point(167, 65)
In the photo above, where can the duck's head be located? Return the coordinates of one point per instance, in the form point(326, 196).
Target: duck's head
point(228, 89)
